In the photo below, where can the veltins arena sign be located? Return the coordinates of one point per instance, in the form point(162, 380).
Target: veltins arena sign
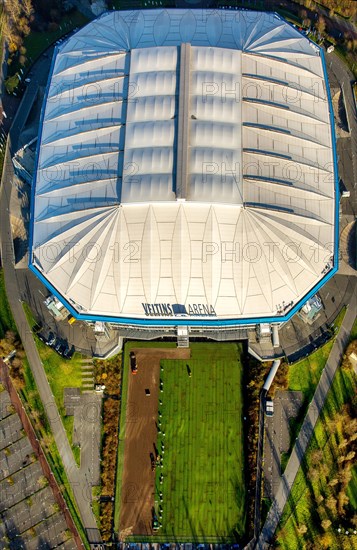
point(179, 310)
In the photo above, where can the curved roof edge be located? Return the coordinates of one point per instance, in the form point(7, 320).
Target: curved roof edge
point(186, 321)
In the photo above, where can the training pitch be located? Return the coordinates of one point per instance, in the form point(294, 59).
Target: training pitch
point(197, 421)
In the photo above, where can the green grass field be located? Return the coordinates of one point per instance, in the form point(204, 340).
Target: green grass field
point(203, 488)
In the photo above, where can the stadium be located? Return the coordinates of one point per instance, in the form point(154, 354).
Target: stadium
point(186, 171)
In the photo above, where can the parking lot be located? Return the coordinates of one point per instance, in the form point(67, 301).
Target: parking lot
point(29, 513)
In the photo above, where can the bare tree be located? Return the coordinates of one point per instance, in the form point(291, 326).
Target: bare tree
point(321, 24)
point(316, 457)
point(342, 500)
point(12, 9)
point(331, 504)
point(27, 8)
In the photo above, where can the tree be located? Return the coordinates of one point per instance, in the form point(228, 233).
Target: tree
point(10, 336)
point(302, 529)
point(345, 475)
point(23, 26)
point(331, 503)
point(27, 8)
point(313, 474)
point(13, 9)
point(342, 500)
point(321, 24)
point(350, 455)
point(325, 524)
point(323, 469)
point(350, 427)
point(316, 457)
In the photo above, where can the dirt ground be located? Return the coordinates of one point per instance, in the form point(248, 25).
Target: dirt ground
point(138, 484)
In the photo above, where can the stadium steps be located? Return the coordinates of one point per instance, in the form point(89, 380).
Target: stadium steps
point(183, 338)
point(87, 375)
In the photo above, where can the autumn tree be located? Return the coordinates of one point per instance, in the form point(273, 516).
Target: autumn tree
point(316, 457)
point(321, 24)
point(28, 9)
point(342, 501)
point(302, 529)
point(325, 524)
point(16, 22)
point(331, 504)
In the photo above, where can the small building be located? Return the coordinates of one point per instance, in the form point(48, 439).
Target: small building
point(310, 311)
point(101, 331)
point(56, 308)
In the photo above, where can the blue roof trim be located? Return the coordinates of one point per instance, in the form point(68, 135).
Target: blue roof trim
point(150, 322)
point(335, 161)
point(33, 187)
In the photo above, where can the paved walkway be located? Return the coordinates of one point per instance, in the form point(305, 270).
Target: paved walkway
point(308, 426)
point(277, 437)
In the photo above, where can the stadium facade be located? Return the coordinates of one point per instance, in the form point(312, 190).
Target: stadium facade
point(186, 171)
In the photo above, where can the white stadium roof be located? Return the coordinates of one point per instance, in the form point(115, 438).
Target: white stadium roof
point(185, 166)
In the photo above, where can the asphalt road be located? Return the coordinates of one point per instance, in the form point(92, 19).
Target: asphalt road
point(338, 72)
point(308, 426)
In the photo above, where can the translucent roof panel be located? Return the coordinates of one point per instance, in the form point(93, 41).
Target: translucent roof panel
point(185, 169)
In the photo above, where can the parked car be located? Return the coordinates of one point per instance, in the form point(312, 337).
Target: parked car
point(51, 339)
point(269, 407)
point(59, 346)
point(68, 352)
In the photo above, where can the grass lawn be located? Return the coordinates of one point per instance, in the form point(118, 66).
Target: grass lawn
point(304, 375)
point(305, 507)
point(204, 486)
point(6, 319)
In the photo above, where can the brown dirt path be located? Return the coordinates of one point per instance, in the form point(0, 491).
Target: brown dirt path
point(138, 483)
